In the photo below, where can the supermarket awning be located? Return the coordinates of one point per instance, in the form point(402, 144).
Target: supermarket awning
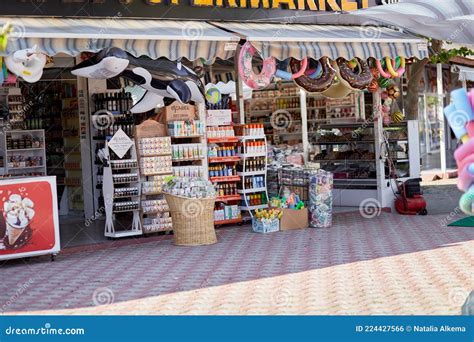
point(299, 41)
point(449, 20)
point(465, 73)
point(153, 38)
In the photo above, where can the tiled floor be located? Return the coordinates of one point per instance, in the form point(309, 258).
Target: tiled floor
point(390, 264)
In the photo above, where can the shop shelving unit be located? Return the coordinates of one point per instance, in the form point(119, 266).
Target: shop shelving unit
point(19, 168)
point(232, 199)
point(159, 214)
point(110, 196)
point(246, 174)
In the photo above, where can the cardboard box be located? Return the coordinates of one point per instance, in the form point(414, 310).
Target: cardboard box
point(180, 112)
point(294, 219)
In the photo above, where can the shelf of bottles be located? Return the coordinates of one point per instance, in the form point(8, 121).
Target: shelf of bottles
point(155, 161)
point(111, 112)
point(25, 154)
point(223, 161)
point(252, 168)
point(121, 191)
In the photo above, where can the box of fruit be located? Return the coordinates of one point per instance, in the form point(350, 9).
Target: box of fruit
point(266, 221)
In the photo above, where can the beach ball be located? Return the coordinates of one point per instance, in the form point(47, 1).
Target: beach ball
point(384, 82)
point(213, 95)
point(398, 117)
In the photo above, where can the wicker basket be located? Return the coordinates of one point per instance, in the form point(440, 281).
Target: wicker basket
point(193, 220)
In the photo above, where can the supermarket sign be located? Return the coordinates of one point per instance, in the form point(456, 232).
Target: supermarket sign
point(236, 10)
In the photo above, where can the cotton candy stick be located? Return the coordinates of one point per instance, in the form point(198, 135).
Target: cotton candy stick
point(458, 121)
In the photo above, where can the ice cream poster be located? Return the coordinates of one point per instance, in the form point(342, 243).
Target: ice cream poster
point(28, 220)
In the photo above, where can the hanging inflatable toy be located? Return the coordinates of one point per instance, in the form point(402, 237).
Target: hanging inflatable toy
point(319, 84)
point(384, 82)
point(340, 88)
point(6, 30)
point(356, 73)
point(163, 80)
point(374, 84)
point(398, 117)
point(288, 76)
point(316, 72)
point(27, 64)
point(213, 95)
point(249, 77)
point(399, 63)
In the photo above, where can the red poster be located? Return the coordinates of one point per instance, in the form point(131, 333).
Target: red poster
point(29, 217)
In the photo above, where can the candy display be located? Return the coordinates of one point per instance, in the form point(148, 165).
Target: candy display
point(153, 185)
point(158, 223)
point(191, 187)
point(185, 128)
point(460, 115)
point(154, 146)
point(155, 165)
point(188, 171)
point(320, 199)
point(188, 152)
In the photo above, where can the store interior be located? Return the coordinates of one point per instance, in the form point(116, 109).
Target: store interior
point(250, 155)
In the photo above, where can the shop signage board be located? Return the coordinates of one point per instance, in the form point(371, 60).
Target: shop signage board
point(120, 143)
point(218, 117)
point(180, 112)
point(29, 224)
point(239, 10)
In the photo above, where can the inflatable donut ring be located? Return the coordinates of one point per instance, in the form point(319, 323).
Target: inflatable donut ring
point(381, 70)
point(316, 85)
point(314, 73)
point(339, 88)
point(255, 81)
point(360, 80)
point(390, 66)
point(374, 85)
point(288, 76)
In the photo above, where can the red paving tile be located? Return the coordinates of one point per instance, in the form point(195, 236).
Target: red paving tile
point(386, 265)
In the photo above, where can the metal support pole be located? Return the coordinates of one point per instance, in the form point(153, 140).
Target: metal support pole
point(304, 124)
point(442, 125)
point(239, 89)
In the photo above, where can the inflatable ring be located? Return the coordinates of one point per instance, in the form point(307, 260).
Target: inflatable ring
point(288, 76)
point(315, 85)
point(314, 73)
point(27, 64)
point(381, 70)
point(356, 81)
point(400, 65)
point(255, 81)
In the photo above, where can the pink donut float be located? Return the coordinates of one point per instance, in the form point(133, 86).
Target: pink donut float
point(249, 77)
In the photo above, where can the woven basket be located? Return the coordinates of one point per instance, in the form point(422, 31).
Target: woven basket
point(193, 220)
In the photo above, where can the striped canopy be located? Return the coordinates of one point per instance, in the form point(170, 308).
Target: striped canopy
point(153, 38)
point(449, 20)
point(299, 41)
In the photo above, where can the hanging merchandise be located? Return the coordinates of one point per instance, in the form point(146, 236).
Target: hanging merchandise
point(320, 199)
point(374, 84)
point(393, 92)
point(27, 64)
point(213, 95)
point(354, 74)
point(391, 65)
point(317, 84)
point(255, 81)
point(163, 80)
point(288, 76)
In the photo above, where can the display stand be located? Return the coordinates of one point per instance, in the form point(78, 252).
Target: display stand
point(255, 196)
point(118, 175)
point(24, 153)
point(154, 153)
